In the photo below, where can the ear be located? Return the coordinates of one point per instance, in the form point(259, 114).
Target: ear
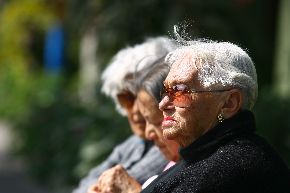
point(233, 103)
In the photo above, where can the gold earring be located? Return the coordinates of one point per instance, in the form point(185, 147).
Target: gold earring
point(220, 117)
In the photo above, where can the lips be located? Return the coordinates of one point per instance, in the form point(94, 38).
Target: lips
point(168, 121)
point(168, 118)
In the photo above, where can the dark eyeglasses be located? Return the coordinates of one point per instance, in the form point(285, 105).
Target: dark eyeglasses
point(126, 99)
point(180, 94)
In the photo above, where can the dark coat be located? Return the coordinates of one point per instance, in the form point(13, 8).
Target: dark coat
point(230, 158)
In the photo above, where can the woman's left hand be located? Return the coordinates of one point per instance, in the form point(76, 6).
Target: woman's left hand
point(115, 180)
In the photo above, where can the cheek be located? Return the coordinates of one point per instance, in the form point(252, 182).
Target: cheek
point(187, 120)
point(190, 126)
point(129, 114)
point(130, 119)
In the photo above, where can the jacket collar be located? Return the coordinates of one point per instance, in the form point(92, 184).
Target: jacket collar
point(236, 126)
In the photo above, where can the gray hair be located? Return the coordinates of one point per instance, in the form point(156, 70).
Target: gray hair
point(151, 79)
point(125, 63)
point(220, 65)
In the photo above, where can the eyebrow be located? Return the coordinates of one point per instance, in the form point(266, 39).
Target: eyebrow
point(174, 83)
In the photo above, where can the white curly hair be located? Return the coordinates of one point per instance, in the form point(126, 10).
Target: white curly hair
point(130, 59)
point(220, 65)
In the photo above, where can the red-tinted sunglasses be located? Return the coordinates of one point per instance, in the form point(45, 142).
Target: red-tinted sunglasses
point(126, 99)
point(180, 94)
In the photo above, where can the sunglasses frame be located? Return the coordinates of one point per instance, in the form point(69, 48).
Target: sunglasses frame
point(176, 94)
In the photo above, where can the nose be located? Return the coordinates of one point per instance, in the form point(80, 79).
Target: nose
point(165, 104)
point(135, 108)
point(150, 133)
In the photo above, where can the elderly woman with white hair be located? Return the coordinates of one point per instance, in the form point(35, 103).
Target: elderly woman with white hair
point(148, 84)
point(138, 156)
point(207, 101)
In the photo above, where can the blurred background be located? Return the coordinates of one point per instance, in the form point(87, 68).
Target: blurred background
point(54, 122)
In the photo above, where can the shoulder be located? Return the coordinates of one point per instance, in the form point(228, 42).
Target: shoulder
point(133, 146)
point(132, 141)
point(251, 152)
point(247, 164)
point(244, 155)
point(243, 163)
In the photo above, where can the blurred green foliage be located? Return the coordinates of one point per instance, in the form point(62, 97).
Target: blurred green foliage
point(59, 137)
point(62, 140)
point(54, 131)
point(18, 21)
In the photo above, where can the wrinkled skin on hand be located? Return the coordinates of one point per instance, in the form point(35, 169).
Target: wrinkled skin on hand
point(115, 180)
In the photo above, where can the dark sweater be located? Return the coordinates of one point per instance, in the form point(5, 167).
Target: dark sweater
point(230, 158)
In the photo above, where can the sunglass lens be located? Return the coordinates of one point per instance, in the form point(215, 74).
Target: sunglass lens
point(182, 99)
point(178, 95)
point(126, 100)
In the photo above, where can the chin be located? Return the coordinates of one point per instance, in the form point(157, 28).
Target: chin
point(141, 135)
point(169, 134)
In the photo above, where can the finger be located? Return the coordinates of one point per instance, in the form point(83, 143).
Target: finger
point(109, 190)
point(93, 189)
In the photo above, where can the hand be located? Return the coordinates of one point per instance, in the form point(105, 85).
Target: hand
point(115, 180)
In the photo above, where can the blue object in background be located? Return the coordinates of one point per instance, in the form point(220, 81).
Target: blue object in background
point(54, 49)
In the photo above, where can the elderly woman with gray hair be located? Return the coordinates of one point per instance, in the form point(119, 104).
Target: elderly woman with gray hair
point(138, 156)
point(148, 83)
point(207, 100)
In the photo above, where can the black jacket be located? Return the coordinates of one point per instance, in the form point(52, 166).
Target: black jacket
point(230, 158)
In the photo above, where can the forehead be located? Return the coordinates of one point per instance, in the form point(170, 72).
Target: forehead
point(145, 100)
point(183, 70)
point(147, 105)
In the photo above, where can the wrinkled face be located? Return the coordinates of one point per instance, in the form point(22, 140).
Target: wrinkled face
point(153, 116)
point(129, 102)
point(185, 123)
